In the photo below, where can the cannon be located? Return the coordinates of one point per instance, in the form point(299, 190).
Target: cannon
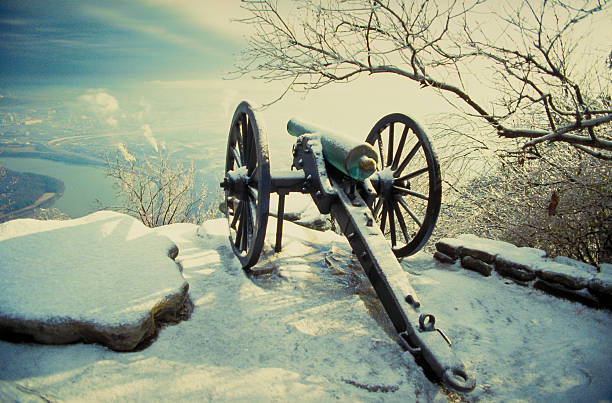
point(384, 194)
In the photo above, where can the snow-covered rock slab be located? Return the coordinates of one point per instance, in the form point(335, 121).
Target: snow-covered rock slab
point(561, 276)
point(103, 278)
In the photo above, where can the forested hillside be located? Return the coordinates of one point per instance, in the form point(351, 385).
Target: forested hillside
point(19, 190)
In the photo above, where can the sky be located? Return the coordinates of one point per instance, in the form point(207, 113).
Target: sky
point(154, 39)
point(113, 58)
point(156, 66)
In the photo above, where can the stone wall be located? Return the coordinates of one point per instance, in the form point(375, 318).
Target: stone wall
point(559, 276)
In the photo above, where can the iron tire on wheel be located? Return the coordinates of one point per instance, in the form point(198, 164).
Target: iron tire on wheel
point(247, 200)
point(409, 189)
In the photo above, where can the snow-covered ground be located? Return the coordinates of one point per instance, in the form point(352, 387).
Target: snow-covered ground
point(102, 252)
point(312, 330)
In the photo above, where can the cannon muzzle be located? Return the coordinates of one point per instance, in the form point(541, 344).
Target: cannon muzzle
point(352, 157)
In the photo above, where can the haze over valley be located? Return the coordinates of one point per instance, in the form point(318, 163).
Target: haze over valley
point(80, 81)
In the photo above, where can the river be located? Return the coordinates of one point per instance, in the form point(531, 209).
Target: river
point(83, 183)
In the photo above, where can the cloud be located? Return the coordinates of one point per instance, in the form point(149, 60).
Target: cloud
point(101, 101)
point(216, 16)
point(125, 153)
point(146, 109)
point(148, 133)
point(191, 84)
point(14, 21)
point(123, 21)
point(102, 104)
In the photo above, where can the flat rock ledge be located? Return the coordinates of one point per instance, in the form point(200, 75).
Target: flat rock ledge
point(104, 278)
point(560, 276)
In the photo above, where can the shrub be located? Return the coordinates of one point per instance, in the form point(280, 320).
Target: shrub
point(157, 191)
point(561, 203)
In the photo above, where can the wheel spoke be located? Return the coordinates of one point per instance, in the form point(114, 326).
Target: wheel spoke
point(405, 191)
point(412, 174)
point(392, 225)
point(380, 150)
point(402, 223)
point(245, 140)
point(406, 160)
point(239, 231)
point(402, 202)
point(238, 137)
point(236, 157)
point(400, 148)
point(379, 203)
point(252, 163)
point(383, 219)
point(237, 213)
point(390, 147)
point(245, 228)
point(253, 213)
point(253, 175)
point(252, 192)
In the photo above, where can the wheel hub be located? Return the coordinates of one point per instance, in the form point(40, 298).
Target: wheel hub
point(385, 181)
point(236, 182)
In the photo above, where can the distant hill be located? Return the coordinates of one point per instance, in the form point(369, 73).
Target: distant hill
point(41, 151)
point(21, 192)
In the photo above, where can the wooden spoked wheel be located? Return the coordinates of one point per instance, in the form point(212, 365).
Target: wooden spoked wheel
point(408, 183)
point(247, 185)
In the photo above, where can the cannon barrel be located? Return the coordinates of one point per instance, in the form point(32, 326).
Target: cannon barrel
point(352, 157)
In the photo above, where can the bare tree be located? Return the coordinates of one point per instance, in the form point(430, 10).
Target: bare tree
point(531, 57)
point(156, 191)
point(539, 203)
point(524, 71)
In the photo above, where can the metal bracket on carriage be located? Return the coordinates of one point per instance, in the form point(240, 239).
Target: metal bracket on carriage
point(308, 156)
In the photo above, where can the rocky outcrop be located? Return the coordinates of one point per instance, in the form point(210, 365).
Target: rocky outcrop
point(476, 265)
point(561, 276)
point(120, 276)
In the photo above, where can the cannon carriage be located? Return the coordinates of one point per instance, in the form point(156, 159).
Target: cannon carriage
point(384, 193)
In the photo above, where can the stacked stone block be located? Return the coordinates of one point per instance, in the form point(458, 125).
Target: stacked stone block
point(561, 276)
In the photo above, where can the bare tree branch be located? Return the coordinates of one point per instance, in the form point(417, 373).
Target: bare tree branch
point(532, 55)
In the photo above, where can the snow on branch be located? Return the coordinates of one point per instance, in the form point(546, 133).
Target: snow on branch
point(529, 56)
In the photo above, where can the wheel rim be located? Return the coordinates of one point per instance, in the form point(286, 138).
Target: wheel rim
point(407, 183)
point(247, 185)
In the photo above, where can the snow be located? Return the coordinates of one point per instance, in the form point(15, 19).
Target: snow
point(91, 262)
point(300, 209)
point(570, 273)
point(523, 344)
point(311, 329)
point(580, 273)
point(505, 250)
